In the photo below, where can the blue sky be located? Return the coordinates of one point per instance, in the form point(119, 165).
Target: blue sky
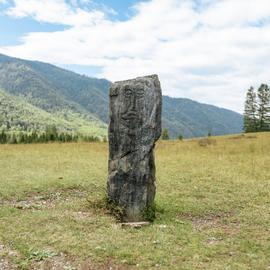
point(11, 29)
point(207, 50)
point(123, 8)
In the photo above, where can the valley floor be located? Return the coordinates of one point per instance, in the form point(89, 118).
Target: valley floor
point(213, 201)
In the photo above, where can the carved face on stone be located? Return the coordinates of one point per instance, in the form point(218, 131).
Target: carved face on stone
point(132, 108)
point(135, 111)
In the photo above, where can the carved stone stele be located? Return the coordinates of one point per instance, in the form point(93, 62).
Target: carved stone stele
point(135, 126)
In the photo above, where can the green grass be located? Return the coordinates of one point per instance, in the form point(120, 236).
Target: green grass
point(213, 207)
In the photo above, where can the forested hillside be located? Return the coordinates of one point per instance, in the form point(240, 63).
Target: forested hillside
point(43, 100)
point(192, 119)
point(38, 94)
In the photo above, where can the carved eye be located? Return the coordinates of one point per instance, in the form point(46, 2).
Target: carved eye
point(128, 92)
point(139, 93)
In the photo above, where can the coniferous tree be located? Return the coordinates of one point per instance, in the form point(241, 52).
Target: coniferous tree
point(3, 137)
point(12, 139)
point(51, 133)
point(34, 136)
point(263, 108)
point(180, 137)
point(165, 134)
point(250, 112)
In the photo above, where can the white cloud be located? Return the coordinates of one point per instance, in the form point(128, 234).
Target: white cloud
point(236, 12)
point(210, 51)
point(55, 11)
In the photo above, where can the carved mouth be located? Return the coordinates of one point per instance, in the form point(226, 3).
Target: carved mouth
point(130, 115)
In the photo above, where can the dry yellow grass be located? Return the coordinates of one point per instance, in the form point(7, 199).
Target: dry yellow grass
point(213, 207)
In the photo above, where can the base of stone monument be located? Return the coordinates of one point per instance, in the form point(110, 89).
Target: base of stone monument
point(136, 225)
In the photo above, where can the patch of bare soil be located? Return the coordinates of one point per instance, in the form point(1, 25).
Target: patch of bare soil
point(34, 201)
point(5, 264)
point(65, 262)
point(59, 262)
point(29, 204)
point(225, 222)
point(48, 200)
point(38, 200)
point(80, 215)
point(109, 264)
point(201, 223)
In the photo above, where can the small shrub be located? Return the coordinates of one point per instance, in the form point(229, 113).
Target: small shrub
point(165, 134)
point(97, 199)
point(114, 209)
point(104, 204)
point(180, 137)
point(149, 213)
point(206, 142)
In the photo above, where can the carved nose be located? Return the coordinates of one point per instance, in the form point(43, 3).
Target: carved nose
point(133, 104)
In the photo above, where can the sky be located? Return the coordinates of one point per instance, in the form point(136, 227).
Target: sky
point(211, 51)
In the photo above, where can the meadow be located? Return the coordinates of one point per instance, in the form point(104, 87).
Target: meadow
point(213, 207)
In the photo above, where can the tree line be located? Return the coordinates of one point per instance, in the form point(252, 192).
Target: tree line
point(165, 135)
point(257, 109)
point(51, 134)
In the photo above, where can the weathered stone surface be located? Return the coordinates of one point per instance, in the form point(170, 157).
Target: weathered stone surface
point(135, 126)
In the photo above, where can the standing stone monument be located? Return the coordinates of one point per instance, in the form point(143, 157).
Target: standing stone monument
point(135, 126)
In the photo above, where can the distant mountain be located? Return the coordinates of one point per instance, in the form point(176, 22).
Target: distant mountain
point(56, 93)
point(40, 94)
point(16, 114)
point(194, 119)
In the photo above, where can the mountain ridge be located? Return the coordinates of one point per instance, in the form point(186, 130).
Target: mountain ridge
point(65, 94)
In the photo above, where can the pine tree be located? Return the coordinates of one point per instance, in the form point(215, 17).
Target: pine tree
point(250, 113)
point(165, 134)
point(3, 137)
point(34, 136)
point(263, 108)
point(51, 133)
point(180, 137)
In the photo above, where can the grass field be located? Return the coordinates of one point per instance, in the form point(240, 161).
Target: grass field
point(213, 208)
